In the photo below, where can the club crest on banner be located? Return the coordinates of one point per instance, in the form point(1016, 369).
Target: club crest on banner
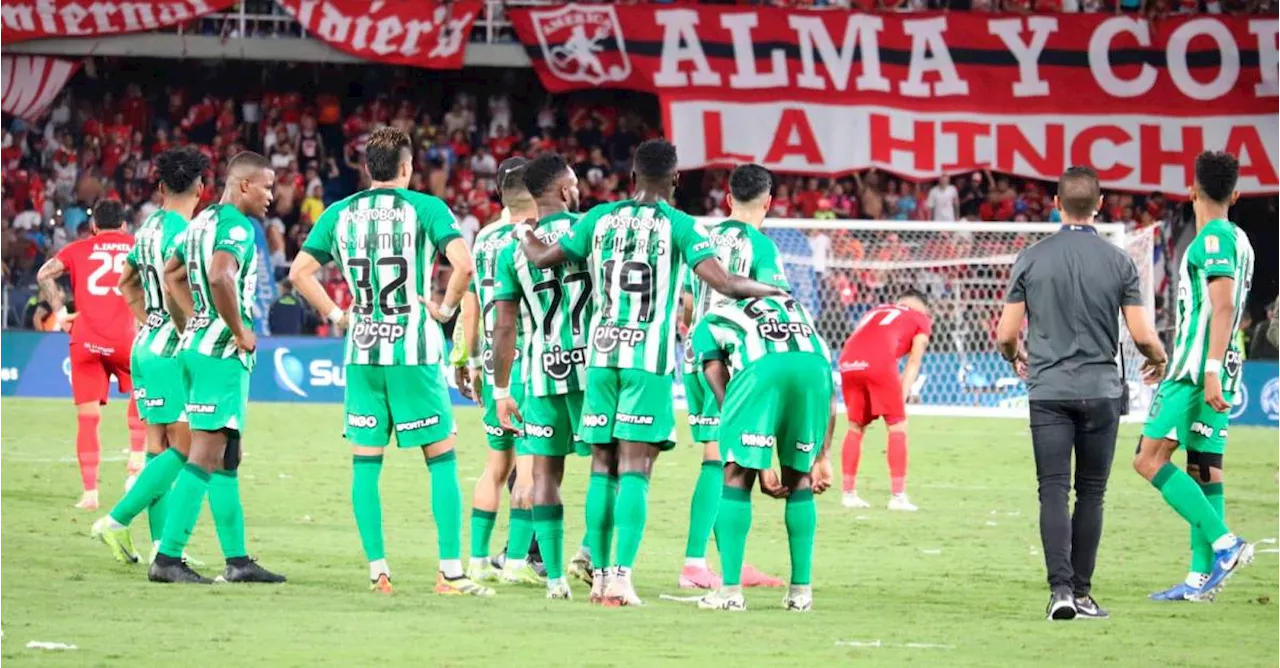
point(573, 40)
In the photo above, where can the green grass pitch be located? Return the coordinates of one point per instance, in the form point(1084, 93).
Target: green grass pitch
point(961, 583)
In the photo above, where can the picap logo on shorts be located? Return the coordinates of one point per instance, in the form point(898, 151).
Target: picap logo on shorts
point(627, 418)
point(607, 337)
point(597, 420)
point(1202, 429)
point(539, 430)
point(362, 421)
point(366, 334)
point(202, 409)
point(781, 331)
point(559, 363)
point(759, 440)
point(418, 424)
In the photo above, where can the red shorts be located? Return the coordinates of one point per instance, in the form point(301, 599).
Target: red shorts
point(92, 366)
point(871, 394)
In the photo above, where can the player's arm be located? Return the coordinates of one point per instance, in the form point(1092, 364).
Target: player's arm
point(732, 286)
point(471, 323)
point(717, 375)
point(1014, 313)
point(223, 271)
point(464, 269)
point(504, 353)
point(686, 313)
point(303, 276)
point(131, 287)
point(47, 279)
point(539, 252)
point(1222, 314)
point(915, 358)
point(1139, 325)
point(177, 291)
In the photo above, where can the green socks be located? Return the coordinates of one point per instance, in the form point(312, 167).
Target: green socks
point(521, 534)
point(228, 513)
point(184, 508)
point(446, 505)
point(733, 523)
point(1182, 493)
point(703, 508)
point(802, 523)
point(548, 521)
point(631, 515)
point(482, 522)
point(366, 502)
point(149, 491)
point(1202, 547)
point(602, 495)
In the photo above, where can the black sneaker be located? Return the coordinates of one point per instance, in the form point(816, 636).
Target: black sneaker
point(170, 569)
point(1062, 606)
point(245, 569)
point(1087, 608)
point(538, 565)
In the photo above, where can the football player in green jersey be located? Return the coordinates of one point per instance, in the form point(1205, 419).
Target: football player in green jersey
point(770, 372)
point(384, 240)
point(157, 373)
point(212, 276)
point(1192, 404)
point(635, 250)
point(746, 251)
point(557, 306)
point(506, 447)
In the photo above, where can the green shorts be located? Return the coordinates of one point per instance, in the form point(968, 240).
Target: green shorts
point(411, 401)
point(704, 412)
point(158, 387)
point(1179, 413)
point(630, 405)
point(780, 401)
point(551, 425)
point(217, 391)
point(500, 439)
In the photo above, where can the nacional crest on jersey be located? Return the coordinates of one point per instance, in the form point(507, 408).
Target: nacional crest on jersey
point(583, 43)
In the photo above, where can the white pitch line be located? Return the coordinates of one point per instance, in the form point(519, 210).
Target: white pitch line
point(859, 644)
point(41, 644)
point(59, 460)
point(680, 599)
point(1271, 550)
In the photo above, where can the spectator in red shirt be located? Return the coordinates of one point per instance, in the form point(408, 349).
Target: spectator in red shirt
point(501, 144)
point(807, 199)
point(461, 147)
point(119, 129)
point(782, 206)
point(135, 107)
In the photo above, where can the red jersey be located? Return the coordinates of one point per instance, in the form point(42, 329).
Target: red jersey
point(95, 265)
point(882, 337)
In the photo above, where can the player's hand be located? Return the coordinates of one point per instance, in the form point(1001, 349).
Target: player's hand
point(1020, 367)
point(477, 386)
point(1152, 372)
point(463, 379)
point(434, 310)
point(247, 341)
point(506, 411)
point(1213, 393)
point(772, 486)
point(821, 475)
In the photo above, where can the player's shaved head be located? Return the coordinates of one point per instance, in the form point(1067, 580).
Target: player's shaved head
point(1216, 176)
point(515, 195)
point(250, 180)
point(108, 214)
point(749, 183)
point(655, 159)
point(387, 150)
point(543, 171)
point(1079, 193)
point(245, 165)
point(915, 300)
point(506, 167)
point(180, 168)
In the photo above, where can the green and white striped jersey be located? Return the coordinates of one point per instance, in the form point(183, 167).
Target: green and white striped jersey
point(558, 303)
point(386, 241)
point(636, 254)
point(742, 332)
point(156, 237)
point(221, 228)
point(1221, 249)
point(743, 250)
point(490, 241)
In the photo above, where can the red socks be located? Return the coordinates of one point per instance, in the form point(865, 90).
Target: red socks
point(850, 455)
point(88, 452)
point(897, 462)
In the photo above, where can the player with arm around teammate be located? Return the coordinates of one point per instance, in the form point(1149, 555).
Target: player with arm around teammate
point(157, 372)
point(385, 240)
point(635, 250)
point(873, 389)
point(771, 373)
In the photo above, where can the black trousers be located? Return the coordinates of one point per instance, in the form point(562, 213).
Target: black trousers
point(1086, 427)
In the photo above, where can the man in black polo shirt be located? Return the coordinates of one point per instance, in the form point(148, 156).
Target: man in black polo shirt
point(1072, 288)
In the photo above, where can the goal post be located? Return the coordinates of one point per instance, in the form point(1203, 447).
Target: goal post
point(841, 268)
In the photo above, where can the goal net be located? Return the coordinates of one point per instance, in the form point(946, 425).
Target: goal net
point(839, 269)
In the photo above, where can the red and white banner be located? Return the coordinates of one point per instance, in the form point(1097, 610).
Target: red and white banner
point(1131, 152)
point(31, 83)
point(36, 19)
point(420, 33)
point(1060, 81)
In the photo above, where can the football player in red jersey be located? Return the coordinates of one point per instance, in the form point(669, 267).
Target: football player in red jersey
point(102, 332)
point(873, 389)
